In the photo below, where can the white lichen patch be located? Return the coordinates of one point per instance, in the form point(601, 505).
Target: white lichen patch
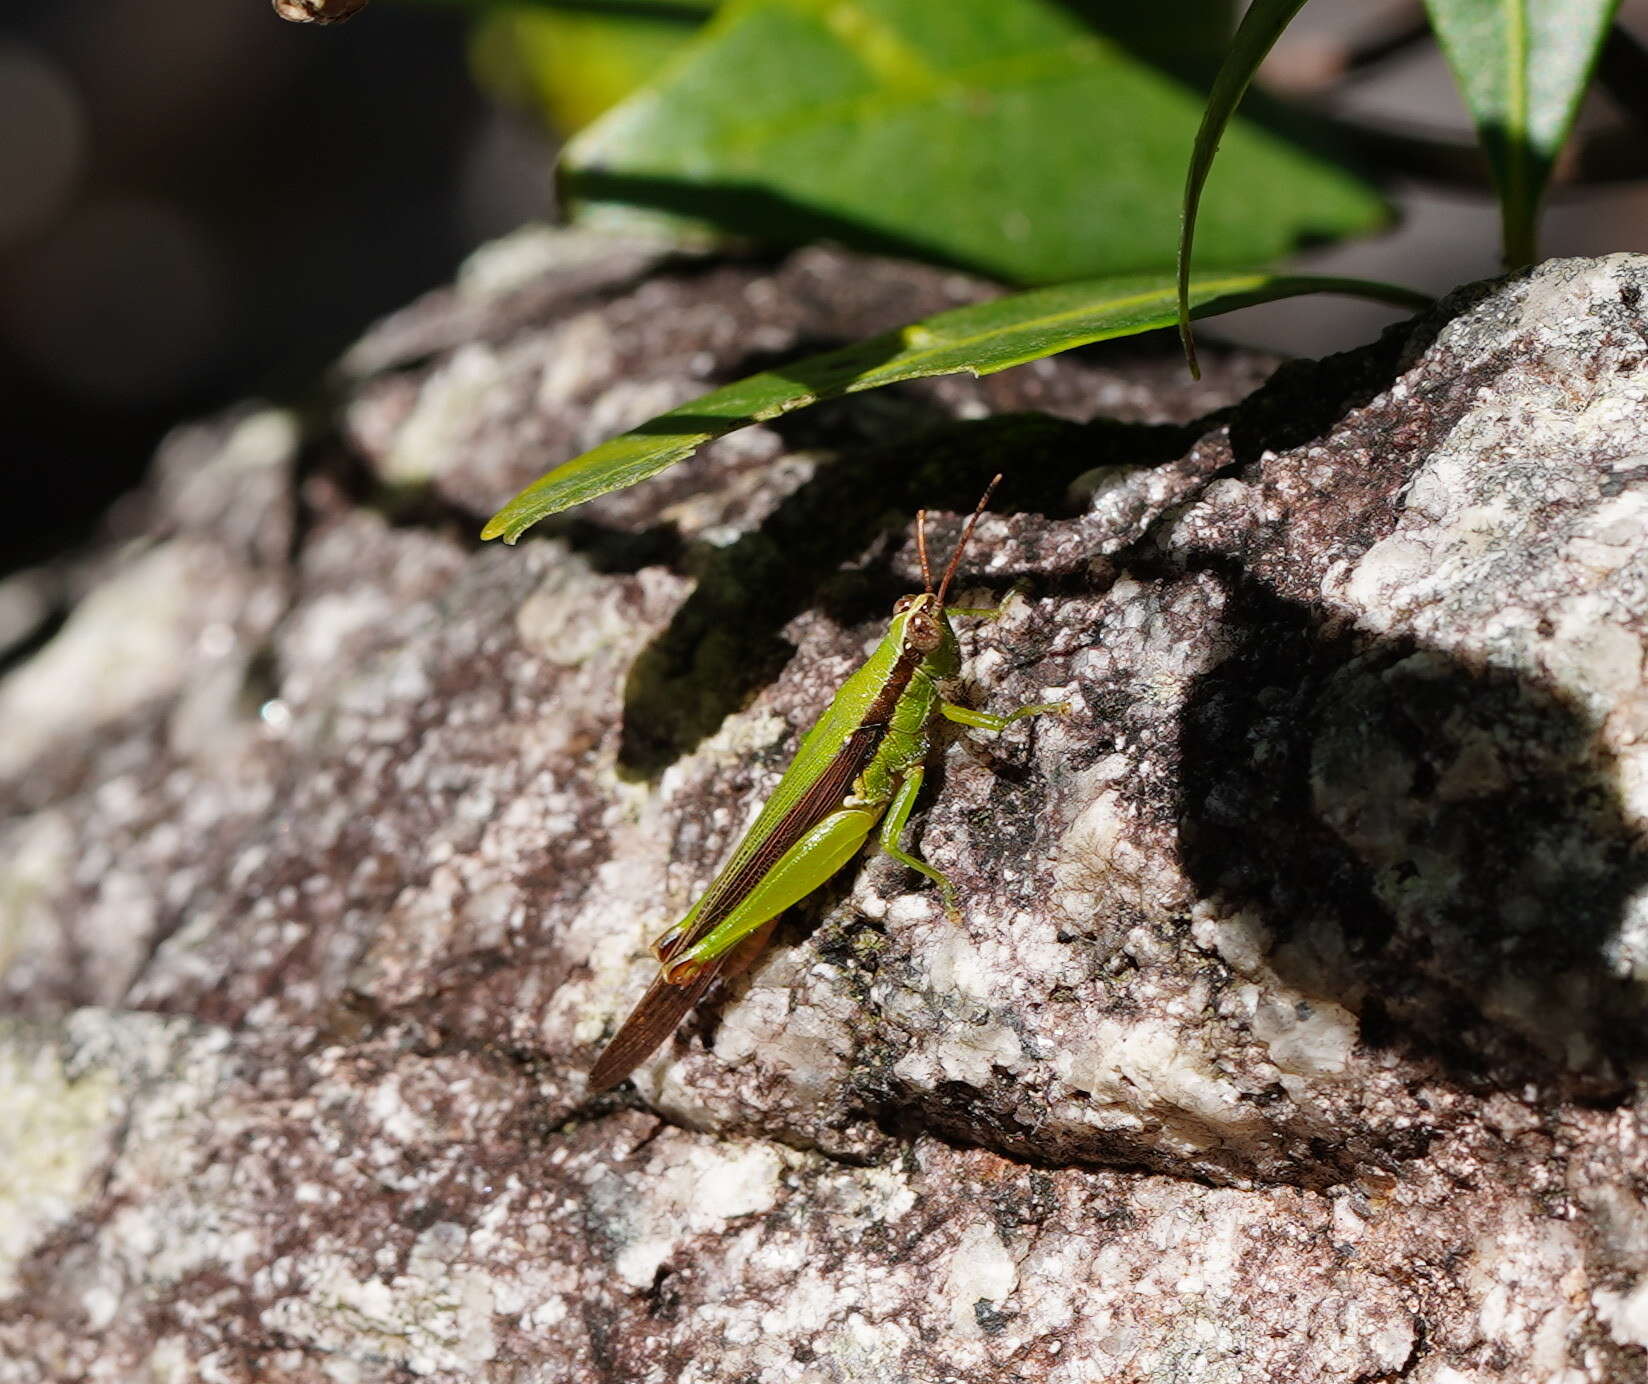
point(450, 406)
point(967, 1053)
point(861, 1197)
point(1100, 863)
point(573, 616)
point(627, 404)
point(576, 359)
point(980, 1270)
point(529, 253)
point(722, 516)
point(1516, 1260)
point(26, 603)
point(623, 909)
point(736, 739)
point(1240, 938)
point(691, 1188)
point(130, 642)
point(1305, 1037)
point(1624, 1313)
point(264, 440)
point(36, 859)
point(809, 1044)
point(849, 1310)
point(435, 1317)
point(1522, 561)
point(960, 967)
point(1156, 1071)
point(56, 1130)
point(1154, 1300)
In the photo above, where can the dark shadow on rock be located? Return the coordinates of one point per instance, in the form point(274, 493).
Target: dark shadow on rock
point(612, 550)
point(1306, 400)
point(724, 643)
point(1437, 846)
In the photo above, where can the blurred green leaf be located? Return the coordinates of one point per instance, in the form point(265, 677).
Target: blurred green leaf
point(576, 59)
point(1261, 26)
point(979, 340)
point(1031, 140)
point(1522, 67)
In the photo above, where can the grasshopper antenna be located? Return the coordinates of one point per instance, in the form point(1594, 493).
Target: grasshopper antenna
point(921, 547)
point(961, 543)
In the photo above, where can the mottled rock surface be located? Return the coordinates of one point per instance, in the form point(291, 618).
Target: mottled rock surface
point(1295, 1026)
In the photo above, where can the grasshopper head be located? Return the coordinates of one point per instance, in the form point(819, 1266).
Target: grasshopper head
point(923, 626)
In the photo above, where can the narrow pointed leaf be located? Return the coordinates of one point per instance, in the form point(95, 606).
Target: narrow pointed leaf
point(979, 339)
point(1261, 26)
point(1522, 67)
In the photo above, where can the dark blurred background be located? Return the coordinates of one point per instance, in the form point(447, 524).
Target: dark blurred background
point(200, 202)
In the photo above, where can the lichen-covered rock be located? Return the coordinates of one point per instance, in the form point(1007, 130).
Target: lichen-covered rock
point(1294, 1027)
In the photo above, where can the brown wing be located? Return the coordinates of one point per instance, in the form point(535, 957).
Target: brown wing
point(662, 1008)
point(650, 1022)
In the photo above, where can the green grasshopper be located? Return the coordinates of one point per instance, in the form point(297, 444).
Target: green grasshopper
point(862, 762)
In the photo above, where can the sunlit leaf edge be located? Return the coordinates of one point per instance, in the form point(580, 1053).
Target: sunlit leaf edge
point(979, 339)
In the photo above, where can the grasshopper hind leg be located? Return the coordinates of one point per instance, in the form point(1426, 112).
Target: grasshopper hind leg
point(798, 872)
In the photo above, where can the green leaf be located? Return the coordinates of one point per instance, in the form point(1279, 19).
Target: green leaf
point(575, 61)
point(979, 340)
point(1035, 141)
point(1261, 26)
point(1522, 67)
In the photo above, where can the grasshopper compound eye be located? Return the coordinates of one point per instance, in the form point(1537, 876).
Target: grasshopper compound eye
point(923, 632)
